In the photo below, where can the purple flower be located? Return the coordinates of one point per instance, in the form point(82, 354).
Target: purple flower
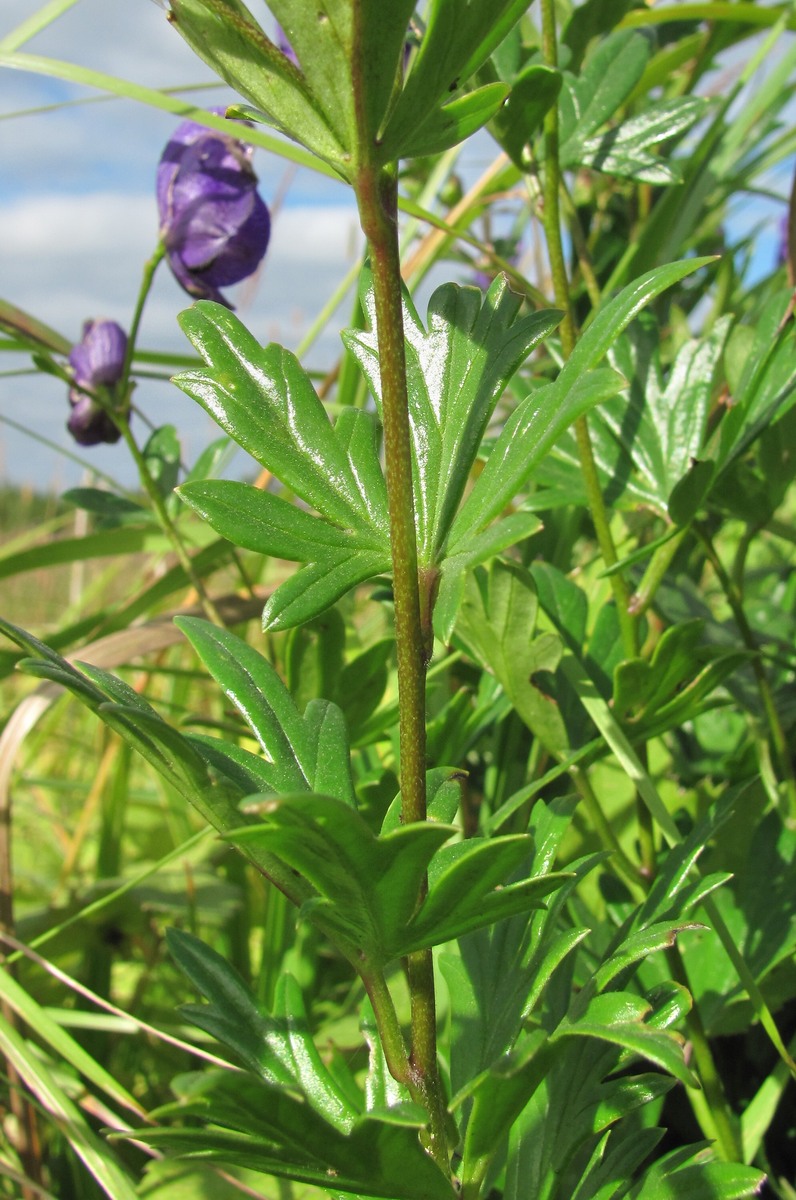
point(97, 361)
point(213, 223)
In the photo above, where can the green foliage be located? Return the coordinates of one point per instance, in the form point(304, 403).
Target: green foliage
point(499, 902)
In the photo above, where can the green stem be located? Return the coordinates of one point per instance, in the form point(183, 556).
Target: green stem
point(376, 192)
point(165, 521)
point(724, 1124)
point(552, 228)
point(655, 573)
point(147, 278)
point(622, 864)
point(145, 475)
point(390, 1035)
point(776, 732)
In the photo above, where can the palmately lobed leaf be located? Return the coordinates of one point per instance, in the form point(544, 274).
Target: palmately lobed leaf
point(458, 365)
point(263, 398)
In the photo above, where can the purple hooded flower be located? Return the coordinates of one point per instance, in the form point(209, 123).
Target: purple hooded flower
point(97, 361)
point(213, 222)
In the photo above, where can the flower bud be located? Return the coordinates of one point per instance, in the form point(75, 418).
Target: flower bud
point(213, 222)
point(97, 361)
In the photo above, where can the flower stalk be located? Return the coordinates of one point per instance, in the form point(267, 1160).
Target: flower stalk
point(145, 475)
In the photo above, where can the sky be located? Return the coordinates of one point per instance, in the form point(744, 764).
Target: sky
point(78, 220)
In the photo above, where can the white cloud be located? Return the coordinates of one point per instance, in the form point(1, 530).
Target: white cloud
point(68, 227)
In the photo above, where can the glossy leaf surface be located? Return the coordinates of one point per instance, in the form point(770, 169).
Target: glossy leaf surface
point(226, 36)
point(271, 1131)
point(457, 369)
point(266, 402)
point(459, 36)
point(277, 1047)
point(368, 886)
point(301, 750)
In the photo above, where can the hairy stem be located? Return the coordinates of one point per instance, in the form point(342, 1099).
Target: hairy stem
point(376, 192)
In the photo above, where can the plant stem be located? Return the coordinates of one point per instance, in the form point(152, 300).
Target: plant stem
point(555, 249)
point(390, 1036)
point(376, 192)
point(725, 1127)
point(623, 865)
point(150, 267)
point(776, 732)
point(144, 474)
point(165, 521)
point(655, 573)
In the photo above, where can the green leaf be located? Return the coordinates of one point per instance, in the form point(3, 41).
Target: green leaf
point(497, 623)
point(162, 457)
point(314, 659)
point(636, 947)
point(300, 1054)
point(277, 1048)
point(645, 446)
point(262, 1129)
point(363, 682)
point(224, 34)
point(359, 433)
point(111, 508)
point(265, 401)
point(260, 521)
point(459, 36)
point(608, 77)
point(254, 687)
point(528, 434)
point(304, 750)
point(681, 1176)
point(498, 1097)
point(319, 585)
point(331, 762)
point(618, 312)
point(590, 20)
point(455, 122)
point(456, 373)
point(322, 35)
point(367, 887)
point(384, 1096)
point(617, 1017)
point(467, 890)
point(382, 42)
point(505, 533)
point(626, 150)
point(533, 93)
point(231, 1015)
